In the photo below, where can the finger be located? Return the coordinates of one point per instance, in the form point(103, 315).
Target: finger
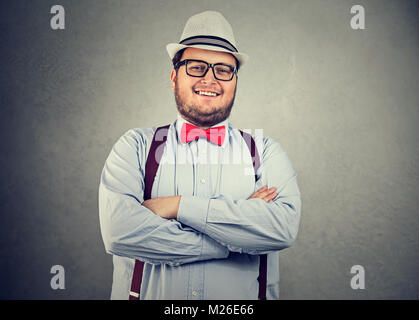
point(263, 194)
point(271, 197)
point(261, 189)
point(267, 192)
point(256, 194)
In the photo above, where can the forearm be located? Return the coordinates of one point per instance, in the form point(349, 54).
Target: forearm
point(165, 207)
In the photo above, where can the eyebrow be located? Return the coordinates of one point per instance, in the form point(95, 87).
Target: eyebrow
point(230, 64)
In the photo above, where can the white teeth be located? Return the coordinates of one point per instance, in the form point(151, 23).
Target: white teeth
point(206, 93)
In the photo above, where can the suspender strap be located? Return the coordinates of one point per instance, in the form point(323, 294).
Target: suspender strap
point(263, 268)
point(153, 159)
point(137, 277)
point(151, 166)
point(263, 259)
point(253, 150)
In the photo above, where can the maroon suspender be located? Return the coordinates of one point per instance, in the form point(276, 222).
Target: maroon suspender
point(153, 159)
point(137, 277)
point(152, 164)
point(262, 278)
point(263, 257)
point(253, 150)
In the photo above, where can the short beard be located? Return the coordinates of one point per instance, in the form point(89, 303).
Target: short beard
point(192, 113)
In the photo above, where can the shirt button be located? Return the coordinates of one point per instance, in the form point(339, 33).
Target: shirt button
point(194, 293)
point(203, 180)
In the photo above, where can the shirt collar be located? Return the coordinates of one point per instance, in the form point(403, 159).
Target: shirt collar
point(180, 121)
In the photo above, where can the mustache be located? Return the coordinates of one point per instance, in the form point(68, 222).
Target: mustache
point(208, 88)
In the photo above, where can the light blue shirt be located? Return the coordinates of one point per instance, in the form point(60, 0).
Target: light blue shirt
point(211, 251)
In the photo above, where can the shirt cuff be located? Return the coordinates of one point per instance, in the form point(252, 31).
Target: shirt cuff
point(193, 212)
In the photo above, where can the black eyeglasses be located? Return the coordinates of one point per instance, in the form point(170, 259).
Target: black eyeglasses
point(199, 68)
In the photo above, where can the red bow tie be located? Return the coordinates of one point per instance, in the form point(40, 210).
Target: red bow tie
point(190, 133)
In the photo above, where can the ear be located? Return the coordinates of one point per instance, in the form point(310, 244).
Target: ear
point(173, 78)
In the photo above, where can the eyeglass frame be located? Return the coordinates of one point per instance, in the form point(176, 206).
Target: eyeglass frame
point(209, 66)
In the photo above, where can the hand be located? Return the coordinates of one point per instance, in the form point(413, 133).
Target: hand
point(165, 207)
point(265, 194)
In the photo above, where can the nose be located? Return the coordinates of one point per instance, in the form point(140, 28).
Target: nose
point(209, 77)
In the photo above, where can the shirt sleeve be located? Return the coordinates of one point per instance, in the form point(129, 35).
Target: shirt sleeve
point(132, 230)
point(251, 226)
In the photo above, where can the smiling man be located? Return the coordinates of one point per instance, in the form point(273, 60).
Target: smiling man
point(181, 223)
point(209, 99)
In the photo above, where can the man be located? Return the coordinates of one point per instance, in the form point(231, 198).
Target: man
point(200, 225)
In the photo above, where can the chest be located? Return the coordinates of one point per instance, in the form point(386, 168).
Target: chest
point(202, 169)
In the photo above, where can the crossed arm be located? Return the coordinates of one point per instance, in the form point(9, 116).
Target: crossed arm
point(167, 207)
point(182, 229)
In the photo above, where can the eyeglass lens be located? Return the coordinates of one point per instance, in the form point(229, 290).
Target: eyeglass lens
point(198, 69)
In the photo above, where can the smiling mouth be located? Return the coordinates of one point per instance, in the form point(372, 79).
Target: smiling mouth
point(206, 93)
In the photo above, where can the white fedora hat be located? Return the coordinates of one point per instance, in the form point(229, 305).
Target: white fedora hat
point(208, 30)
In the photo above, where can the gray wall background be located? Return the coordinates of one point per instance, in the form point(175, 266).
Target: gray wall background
point(342, 103)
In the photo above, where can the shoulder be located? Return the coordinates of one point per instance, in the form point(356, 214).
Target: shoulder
point(134, 145)
point(139, 137)
point(271, 147)
point(265, 145)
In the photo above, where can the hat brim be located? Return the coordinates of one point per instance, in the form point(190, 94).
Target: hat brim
point(173, 48)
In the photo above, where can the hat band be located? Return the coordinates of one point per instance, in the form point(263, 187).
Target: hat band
point(209, 40)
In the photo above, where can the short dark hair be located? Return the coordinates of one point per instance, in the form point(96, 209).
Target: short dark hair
point(178, 56)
